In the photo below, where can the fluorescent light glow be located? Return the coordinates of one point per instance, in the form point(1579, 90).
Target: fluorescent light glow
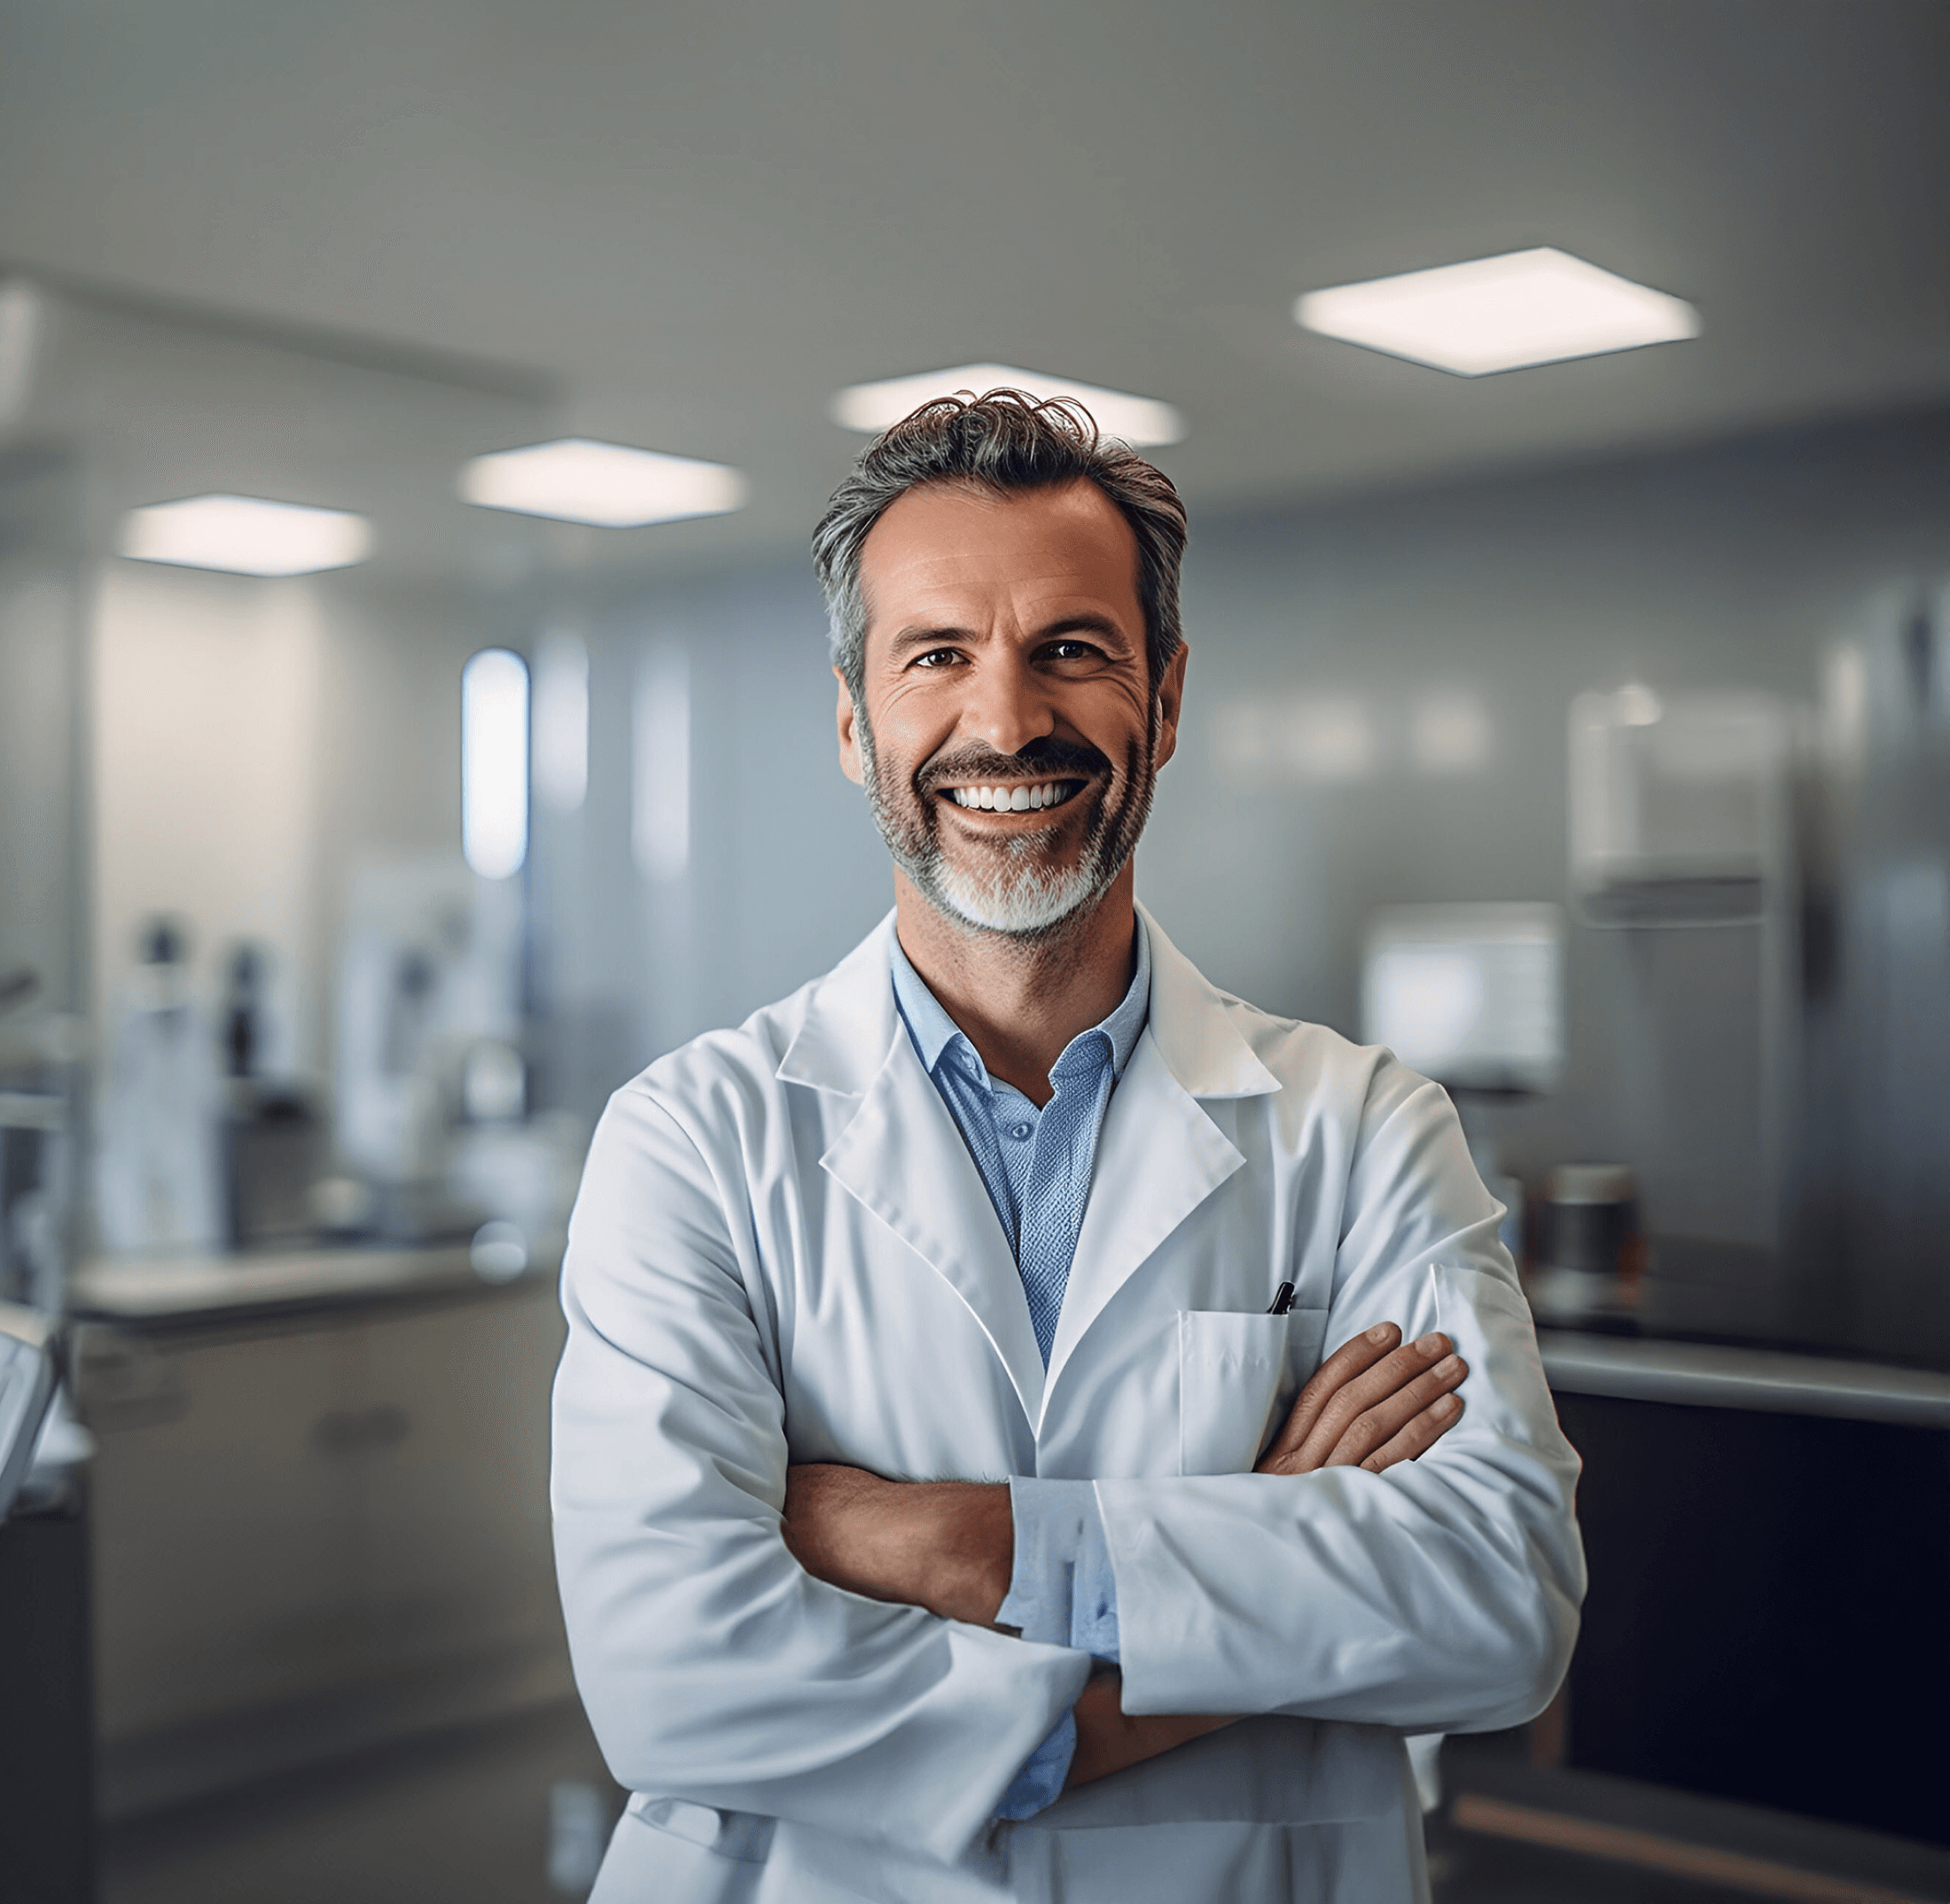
point(1139, 420)
point(245, 535)
point(576, 480)
point(562, 723)
point(1449, 734)
point(1324, 741)
point(660, 767)
point(494, 762)
point(1635, 704)
point(1329, 741)
point(1499, 314)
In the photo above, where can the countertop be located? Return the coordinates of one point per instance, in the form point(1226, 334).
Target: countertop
point(135, 1291)
point(1775, 1381)
point(158, 1290)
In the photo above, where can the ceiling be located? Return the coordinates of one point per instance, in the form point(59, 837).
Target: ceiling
point(692, 222)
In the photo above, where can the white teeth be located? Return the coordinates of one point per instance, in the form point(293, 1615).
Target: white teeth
point(1018, 799)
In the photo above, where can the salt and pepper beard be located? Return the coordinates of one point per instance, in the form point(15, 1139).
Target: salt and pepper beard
point(1021, 900)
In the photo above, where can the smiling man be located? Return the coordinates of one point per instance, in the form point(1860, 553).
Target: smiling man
point(953, 1497)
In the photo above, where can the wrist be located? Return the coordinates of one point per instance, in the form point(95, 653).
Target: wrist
point(964, 1550)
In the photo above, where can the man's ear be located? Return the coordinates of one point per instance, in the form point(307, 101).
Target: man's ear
point(850, 762)
point(1171, 697)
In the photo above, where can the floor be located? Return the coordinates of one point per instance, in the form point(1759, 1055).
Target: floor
point(469, 1817)
point(476, 1816)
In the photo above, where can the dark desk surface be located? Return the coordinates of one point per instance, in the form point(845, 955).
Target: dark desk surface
point(1774, 1381)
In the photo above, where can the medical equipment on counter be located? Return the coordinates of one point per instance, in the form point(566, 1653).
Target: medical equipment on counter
point(433, 1088)
point(158, 1182)
point(1591, 1253)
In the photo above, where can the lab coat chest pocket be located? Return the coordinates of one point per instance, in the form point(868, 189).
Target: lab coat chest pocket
point(1237, 1376)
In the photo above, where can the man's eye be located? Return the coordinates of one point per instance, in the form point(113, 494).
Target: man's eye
point(1071, 651)
point(935, 658)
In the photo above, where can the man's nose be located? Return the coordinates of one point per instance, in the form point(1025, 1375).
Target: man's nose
point(1009, 707)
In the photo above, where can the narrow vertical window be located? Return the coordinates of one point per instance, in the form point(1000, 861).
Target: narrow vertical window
point(660, 769)
point(494, 762)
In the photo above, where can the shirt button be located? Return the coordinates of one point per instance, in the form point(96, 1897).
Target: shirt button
point(1018, 1131)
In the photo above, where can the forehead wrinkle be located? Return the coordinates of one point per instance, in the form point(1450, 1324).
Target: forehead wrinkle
point(972, 579)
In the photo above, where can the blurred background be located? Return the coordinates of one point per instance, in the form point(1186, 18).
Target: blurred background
point(414, 717)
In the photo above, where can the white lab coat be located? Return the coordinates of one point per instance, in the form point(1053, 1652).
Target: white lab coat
point(783, 1253)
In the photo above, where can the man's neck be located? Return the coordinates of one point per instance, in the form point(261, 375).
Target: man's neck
point(1020, 1003)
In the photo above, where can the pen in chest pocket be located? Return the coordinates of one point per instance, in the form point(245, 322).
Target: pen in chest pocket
point(1282, 1299)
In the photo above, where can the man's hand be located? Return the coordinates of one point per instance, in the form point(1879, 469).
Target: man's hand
point(947, 1546)
point(1373, 1402)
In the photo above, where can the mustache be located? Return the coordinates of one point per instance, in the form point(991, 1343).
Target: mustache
point(1045, 758)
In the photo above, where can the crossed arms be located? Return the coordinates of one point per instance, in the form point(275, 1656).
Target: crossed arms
point(721, 1667)
point(948, 1546)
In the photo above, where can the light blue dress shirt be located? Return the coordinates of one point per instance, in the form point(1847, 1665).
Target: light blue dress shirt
point(1036, 1166)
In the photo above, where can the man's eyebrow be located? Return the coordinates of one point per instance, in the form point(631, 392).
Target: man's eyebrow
point(908, 640)
point(905, 640)
point(1085, 624)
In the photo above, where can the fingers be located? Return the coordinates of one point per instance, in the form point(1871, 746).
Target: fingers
point(1419, 1436)
point(1392, 1374)
point(1350, 1360)
point(1374, 1426)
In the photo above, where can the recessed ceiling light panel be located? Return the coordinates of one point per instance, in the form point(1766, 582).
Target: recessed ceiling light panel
point(1138, 420)
point(611, 485)
point(245, 535)
point(1499, 314)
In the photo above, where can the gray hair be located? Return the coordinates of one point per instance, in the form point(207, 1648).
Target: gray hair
point(1005, 441)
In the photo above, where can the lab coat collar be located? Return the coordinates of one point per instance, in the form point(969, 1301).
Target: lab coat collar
point(1192, 1023)
point(1161, 1153)
point(901, 1155)
point(843, 1040)
point(1160, 1156)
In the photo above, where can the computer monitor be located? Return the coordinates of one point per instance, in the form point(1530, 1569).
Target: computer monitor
point(1472, 996)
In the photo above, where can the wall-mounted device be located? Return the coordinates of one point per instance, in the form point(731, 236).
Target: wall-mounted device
point(1678, 809)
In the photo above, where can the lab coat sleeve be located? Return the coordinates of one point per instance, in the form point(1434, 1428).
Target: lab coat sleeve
point(1441, 1595)
point(714, 1667)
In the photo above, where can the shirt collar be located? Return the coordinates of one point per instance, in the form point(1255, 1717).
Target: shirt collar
point(934, 1033)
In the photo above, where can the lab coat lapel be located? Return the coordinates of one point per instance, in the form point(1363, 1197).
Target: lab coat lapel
point(1161, 1153)
point(902, 1155)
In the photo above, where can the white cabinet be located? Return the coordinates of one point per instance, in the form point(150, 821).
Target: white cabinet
point(222, 1570)
point(454, 1524)
point(313, 1531)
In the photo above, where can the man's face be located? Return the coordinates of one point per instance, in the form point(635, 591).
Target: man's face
point(1009, 736)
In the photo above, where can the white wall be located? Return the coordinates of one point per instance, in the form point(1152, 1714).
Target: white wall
point(252, 740)
point(204, 694)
